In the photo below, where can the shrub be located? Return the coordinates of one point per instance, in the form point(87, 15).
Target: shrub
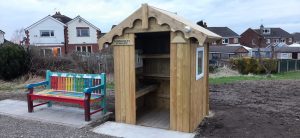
point(14, 61)
point(42, 63)
point(212, 68)
point(252, 65)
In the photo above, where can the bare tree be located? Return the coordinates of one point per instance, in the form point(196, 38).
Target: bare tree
point(265, 64)
point(18, 36)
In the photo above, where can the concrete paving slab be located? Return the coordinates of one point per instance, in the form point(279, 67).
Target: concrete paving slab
point(135, 131)
point(62, 115)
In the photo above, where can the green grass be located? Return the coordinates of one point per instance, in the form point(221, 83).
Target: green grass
point(280, 76)
point(110, 85)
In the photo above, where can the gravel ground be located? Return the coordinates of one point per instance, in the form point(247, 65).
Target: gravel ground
point(13, 127)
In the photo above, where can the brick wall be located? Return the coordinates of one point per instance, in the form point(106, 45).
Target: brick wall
point(250, 39)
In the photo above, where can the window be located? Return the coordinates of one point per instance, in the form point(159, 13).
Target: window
point(199, 63)
point(225, 41)
point(290, 40)
point(84, 49)
point(56, 52)
point(276, 40)
point(282, 40)
point(235, 40)
point(253, 42)
point(268, 41)
point(83, 31)
point(46, 33)
point(267, 31)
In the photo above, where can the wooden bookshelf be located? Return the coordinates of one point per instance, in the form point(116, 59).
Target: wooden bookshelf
point(156, 56)
point(145, 90)
point(157, 76)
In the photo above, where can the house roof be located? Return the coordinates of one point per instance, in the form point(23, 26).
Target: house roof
point(62, 18)
point(223, 31)
point(227, 49)
point(275, 32)
point(78, 17)
point(101, 34)
point(296, 37)
point(45, 18)
point(175, 22)
point(2, 32)
point(287, 49)
point(280, 49)
point(294, 45)
point(261, 49)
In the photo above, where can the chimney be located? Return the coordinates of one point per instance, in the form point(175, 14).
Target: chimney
point(202, 23)
point(261, 28)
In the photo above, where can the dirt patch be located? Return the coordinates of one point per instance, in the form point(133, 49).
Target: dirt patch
point(19, 83)
point(254, 109)
point(224, 72)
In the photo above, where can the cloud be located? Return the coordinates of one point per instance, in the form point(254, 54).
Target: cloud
point(236, 14)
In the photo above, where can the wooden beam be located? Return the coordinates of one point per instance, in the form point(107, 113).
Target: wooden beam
point(145, 16)
point(206, 65)
point(125, 81)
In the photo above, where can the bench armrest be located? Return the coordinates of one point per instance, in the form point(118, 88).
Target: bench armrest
point(32, 85)
point(91, 89)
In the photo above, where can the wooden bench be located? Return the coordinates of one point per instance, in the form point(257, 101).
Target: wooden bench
point(82, 89)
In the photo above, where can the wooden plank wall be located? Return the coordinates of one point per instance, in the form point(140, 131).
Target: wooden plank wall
point(124, 69)
point(180, 86)
point(199, 90)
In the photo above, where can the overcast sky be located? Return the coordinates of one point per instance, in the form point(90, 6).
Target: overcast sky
point(236, 14)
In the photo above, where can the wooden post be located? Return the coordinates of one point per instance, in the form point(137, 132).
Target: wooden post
point(29, 100)
point(124, 76)
point(279, 64)
point(87, 114)
point(145, 24)
point(206, 51)
point(103, 101)
point(287, 67)
point(296, 64)
point(180, 83)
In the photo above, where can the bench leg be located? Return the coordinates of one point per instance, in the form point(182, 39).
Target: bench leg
point(86, 107)
point(29, 103)
point(49, 104)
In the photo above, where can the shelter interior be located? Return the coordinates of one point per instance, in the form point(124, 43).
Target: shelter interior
point(153, 79)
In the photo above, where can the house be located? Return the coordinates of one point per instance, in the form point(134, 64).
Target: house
point(250, 37)
point(58, 35)
point(228, 47)
point(296, 38)
point(284, 52)
point(2, 36)
point(288, 52)
point(264, 52)
point(228, 36)
point(227, 52)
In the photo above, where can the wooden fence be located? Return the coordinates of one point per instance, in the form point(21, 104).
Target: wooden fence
point(285, 65)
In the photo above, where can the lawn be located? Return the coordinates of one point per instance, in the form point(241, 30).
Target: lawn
point(280, 76)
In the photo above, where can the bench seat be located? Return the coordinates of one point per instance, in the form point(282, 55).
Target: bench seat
point(67, 94)
point(82, 89)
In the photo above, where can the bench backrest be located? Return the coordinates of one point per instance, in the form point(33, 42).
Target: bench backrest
point(74, 82)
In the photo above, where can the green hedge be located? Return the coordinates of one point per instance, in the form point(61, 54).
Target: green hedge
point(14, 61)
point(252, 65)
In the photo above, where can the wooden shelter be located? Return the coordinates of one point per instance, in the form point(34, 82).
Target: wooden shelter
point(160, 69)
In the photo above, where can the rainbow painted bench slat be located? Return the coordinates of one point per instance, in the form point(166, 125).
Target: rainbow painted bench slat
point(82, 89)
